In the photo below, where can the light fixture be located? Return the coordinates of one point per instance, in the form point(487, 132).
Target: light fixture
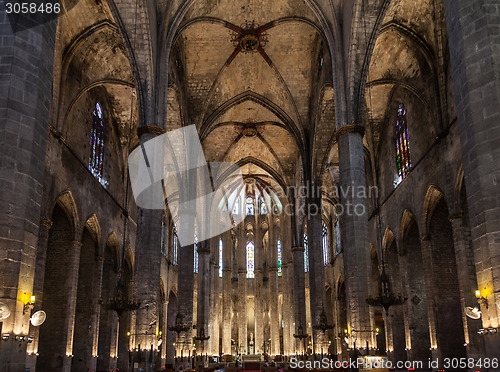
point(29, 305)
point(5, 336)
point(481, 299)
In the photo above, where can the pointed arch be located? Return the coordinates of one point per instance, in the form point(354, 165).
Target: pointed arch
point(93, 226)
point(431, 200)
point(67, 202)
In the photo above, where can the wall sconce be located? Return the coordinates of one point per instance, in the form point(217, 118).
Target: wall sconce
point(5, 336)
point(19, 338)
point(481, 300)
point(29, 305)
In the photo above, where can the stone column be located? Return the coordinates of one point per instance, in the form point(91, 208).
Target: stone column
point(214, 321)
point(186, 287)
point(147, 270)
point(354, 231)
point(203, 294)
point(27, 68)
point(259, 292)
point(467, 283)
point(164, 329)
point(96, 310)
point(475, 64)
point(72, 285)
point(41, 255)
point(273, 288)
point(299, 298)
point(316, 269)
point(227, 308)
point(242, 288)
point(286, 306)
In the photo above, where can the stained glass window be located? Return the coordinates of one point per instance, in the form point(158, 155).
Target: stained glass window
point(97, 145)
point(236, 206)
point(263, 208)
point(195, 254)
point(250, 260)
point(278, 247)
point(403, 161)
point(220, 258)
point(338, 247)
point(175, 246)
point(163, 240)
point(306, 254)
point(250, 208)
point(324, 234)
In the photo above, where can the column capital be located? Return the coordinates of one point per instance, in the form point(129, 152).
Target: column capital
point(273, 269)
point(46, 222)
point(298, 249)
point(349, 128)
point(456, 215)
point(150, 129)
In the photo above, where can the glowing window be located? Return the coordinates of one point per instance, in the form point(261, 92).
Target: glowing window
point(163, 239)
point(306, 254)
point(324, 234)
point(220, 258)
point(97, 145)
point(338, 247)
point(250, 260)
point(250, 208)
point(236, 206)
point(403, 161)
point(195, 254)
point(175, 246)
point(278, 247)
point(263, 208)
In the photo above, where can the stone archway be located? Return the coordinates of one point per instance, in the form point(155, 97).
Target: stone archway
point(449, 323)
point(53, 338)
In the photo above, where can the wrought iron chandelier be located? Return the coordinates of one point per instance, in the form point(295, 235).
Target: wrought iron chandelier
point(179, 325)
point(323, 323)
point(386, 298)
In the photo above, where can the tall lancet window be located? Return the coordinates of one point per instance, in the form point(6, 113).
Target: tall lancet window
point(306, 254)
point(195, 254)
point(324, 234)
point(403, 161)
point(236, 206)
point(175, 246)
point(97, 145)
point(163, 238)
point(250, 260)
point(220, 258)
point(280, 257)
point(338, 246)
point(263, 208)
point(250, 207)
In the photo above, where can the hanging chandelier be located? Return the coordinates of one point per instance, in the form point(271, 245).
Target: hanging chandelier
point(386, 298)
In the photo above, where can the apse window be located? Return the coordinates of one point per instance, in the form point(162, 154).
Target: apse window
point(250, 208)
point(325, 244)
point(250, 260)
point(280, 258)
point(403, 161)
point(220, 258)
point(97, 145)
point(306, 254)
point(263, 208)
point(236, 206)
point(195, 254)
point(175, 246)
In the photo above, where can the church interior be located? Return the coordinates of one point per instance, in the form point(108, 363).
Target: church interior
point(367, 133)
